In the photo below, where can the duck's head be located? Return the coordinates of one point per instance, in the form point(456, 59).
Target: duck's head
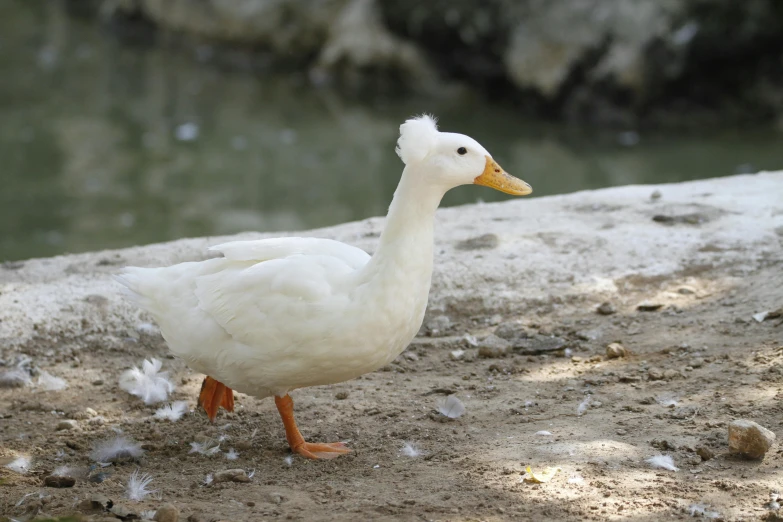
point(448, 159)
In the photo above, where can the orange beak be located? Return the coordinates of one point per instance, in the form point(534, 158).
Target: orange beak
point(495, 177)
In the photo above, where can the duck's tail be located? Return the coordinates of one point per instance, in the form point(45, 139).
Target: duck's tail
point(139, 286)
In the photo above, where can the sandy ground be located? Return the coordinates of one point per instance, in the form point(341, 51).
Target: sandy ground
point(705, 258)
point(701, 349)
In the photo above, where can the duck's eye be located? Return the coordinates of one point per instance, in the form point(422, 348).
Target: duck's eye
point(462, 151)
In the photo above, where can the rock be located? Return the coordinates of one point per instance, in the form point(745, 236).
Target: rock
point(538, 344)
point(749, 439)
point(616, 350)
point(56, 481)
point(123, 512)
point(647, 306)
point(341, 395)
point(231, 475)
point(705, 453)
point(68, 424)
point(487, 241)
point(655, 374)
point(510, 331)
point(686, 290)
point(167, 513)
point(438, 325)
point(91, 412)
point(606, 308)
point(671, 374)
point(275, 498)
point(94, 504)
point(696, 362)
point(493, 346)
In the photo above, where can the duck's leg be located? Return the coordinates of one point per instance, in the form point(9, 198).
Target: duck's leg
point(215, 394)
point(285, 405)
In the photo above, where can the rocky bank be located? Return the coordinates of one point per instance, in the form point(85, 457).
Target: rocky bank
point(607, 61)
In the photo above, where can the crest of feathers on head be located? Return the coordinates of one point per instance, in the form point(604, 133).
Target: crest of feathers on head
point(418, 137)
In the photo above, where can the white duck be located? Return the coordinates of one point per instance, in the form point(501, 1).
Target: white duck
point(275, 315)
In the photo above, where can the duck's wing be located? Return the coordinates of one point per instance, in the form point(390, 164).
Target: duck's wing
point(277, 248)
point(291, 295)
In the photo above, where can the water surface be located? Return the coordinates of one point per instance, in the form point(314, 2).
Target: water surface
point(108, 145)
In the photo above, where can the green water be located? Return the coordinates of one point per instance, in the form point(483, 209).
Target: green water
point(107, 145)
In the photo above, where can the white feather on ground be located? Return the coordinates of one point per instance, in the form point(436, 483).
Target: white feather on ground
point(137, 486)
point(18, 375)
point(116, 449)
point(543, 433)
point(208, 448)
point(14, 378)
point(232, 454)
point(148, 383)
point(48, 382)
point(703, 510)
point(662, 461)
point(410, 450)
point(667, 399)
point(289, 460)
point(208, 479)
point(451, 407)
point(584, 405)
point(20, 464)
point(63, 471)
point(172, 412)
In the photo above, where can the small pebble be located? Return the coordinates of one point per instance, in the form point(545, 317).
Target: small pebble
point(341, 395)
point(686, 290)
point(493, 346)
point(97, 382)
point(648, 306)
point(275, 498)
point(615, 351)
point(705, 453)
point(749, 439)
point(655, 374)
point(56, 481)
point(698, 362)
point(231, 475)
point(67, 424)
point(167, 513)
point(606, 308)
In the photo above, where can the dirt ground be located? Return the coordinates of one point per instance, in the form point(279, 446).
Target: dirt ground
point(695, 364)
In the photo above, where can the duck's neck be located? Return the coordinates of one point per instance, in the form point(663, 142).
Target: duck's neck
point(406, 244)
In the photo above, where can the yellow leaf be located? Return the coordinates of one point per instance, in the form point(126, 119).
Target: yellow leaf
point(544, 475)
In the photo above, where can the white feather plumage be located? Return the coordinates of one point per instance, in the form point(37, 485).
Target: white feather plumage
point(418, 136)
point(148, 383)
point(663, 462)
point(48, 382)
point(137, 486)
point(116, 448)
point(172, 412)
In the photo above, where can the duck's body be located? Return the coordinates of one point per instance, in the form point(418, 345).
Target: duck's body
point(275, 315)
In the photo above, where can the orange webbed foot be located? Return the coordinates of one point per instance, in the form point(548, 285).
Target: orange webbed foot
point(311, 450)
point(327, 450)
